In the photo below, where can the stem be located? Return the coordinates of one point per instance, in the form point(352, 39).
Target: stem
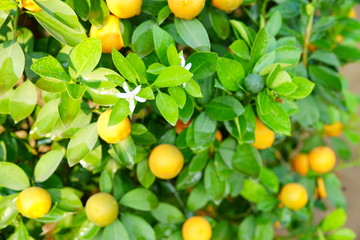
point(236, 120)
point(310, 8)
point(177, 197)
point(263, 13)
point(15, 23)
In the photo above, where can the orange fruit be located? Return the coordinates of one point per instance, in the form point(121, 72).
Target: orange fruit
point(31, 6)
point(186, 9)
point(166, 161)
point(312, 47)
point(124, 8)
point(294, 196)
point(109, 34)
point(227, 5)
point(322, 159)
point(113, 134)
point(218, 135)
point(277, 224)
point(352, 13)
point(33, 202)
point(196, 228)
point(339, 38)
point(300, 163)
point(321, 190)
point(180, 126)
point(264, 137)
point(333, 130)
point(102, 209)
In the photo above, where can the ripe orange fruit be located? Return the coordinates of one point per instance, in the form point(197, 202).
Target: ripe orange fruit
point(31, 5)
point(124, 8)
point(186, 9)
point(113, 134)
point(33, 202)
point(339, 38)
point(109, 34)
point(102, 209)
point(333, 130)
point(227, 5)
point(321, 190)
point(322, 159)
point(300, 163)
point(166, 161)
point(218, 135)
point(264, 137)
point(196, 228)
point(180, 126)
point(294, 196)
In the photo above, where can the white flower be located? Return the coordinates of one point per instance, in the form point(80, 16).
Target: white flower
point(184, 65)
point(130, 96)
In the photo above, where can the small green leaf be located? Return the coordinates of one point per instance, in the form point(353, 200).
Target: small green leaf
point(88, 230)
point(167, 107)
point(167, 213)
point(116, 230)
point(137, 227)
point(8, 210)
point(124, 67)
point(75, 91)
point(144, 175)
point(142, 39)
point(13, 177)
point(335, 220)
point(163, 14)
point(119, 112)
point(50, 69)
point(178, 95)
point(203, 64)
point(162, 40)
point(193, 88)
point(304, 88)
point(343, 234)
point(197, 199)
point(240, 49)
point(253, 191)
point(172, 76)
point(247, 160)
point(259, 47)
point(68, 108)
point(140, 199)
point(220, 23)
point(23, 101)
point(224, 108)
point(47, 117)
point(231, 73)
point(66, 199)
point(47, 165)
point(273, 26)
point(125, 152)
point(215, 185)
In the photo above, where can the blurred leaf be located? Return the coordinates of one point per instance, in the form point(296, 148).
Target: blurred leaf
point(230, 73)
point(124, 67)
point(273, 26)
point(269, 179)
point(13, 177)
point(144, 175)
point(88, 230)
point(224, 108)
point(8, 210)
point(167, 213)
point(47, 117)
point(220, 22)
point(50, 69)
point(259, 47)
point(66, 199)
point(105, 183)
point(215, 185)
point(304, 88)
point(81, 144)
point(140, 199)
point(203, 64)
point(326, 57)
point(137, 227)
point(326, 77)
point(47, 165)
point(162, 40)
point(335, 220)
point(142, 39)
point(172, 76)
point(197, 199)
point(98, 13)
point(116, 230)
point(343, 234)
point(193, 33)
point(82, 8)
point(246, 230)
point(125, 152)
point(23, 101)
point(254, 191)
point(247, 160)
point(167, 107)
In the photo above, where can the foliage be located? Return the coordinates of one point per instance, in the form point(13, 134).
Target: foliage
point(277, 61)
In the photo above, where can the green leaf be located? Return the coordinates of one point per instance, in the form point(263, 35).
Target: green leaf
point(269, 179)
point(287, 54)
point(60, 20)
point(103, 78)
point(304, 88)
point(240, 49)
point(224, 108)
point(124, 67)
point(125, 152)
point(144, 175)
point(98, 13)
point(47, 165)
point(325, 77)
point(85, 56)
point(197, 199)
point(66, 199)
point(259, 47)
point(172, 76)
point(163, 14)
point(264, 61)
point(204, 129)
point(231, 73)
point(7, 5)
point(116, 230)
point(47, 117)
point(215, 185)
point(88, 230)
point(75, 91)
point(178, 95)
point(203, 64)
point(247, 160)
point(81, 144)
point(343, 234)
point(8, 210)
point(139, 66)
point(82, 8)
point(241, 30)
point(167, 213)
point(105, 183)
point(193, 88)
point(167, 107)
point(49, 68)
point(142, 39)
point(13, 177)
point(253, 191)
point(23, 101)
point(137, 227)
point(273, 26)
point(68, 108)
point(12, 62)
point(220, 22)
point(162, 40)
point(53, 216)
point(286, 89)
point(119, 112)
point(335, 220)
point(140, 199)
point(246, 230)
point(326, 57)
point(193, 33)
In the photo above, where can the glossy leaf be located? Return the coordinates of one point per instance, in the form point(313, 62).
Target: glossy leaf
point(13, 177)
point(47, 165)
point(140, 199)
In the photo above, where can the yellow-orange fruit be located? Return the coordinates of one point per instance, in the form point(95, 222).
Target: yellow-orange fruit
point(33, 202)
point(219, 136)
point(113, 134)
point(109, 34)
point(180, 126)
point(322, 159)
point(300, 163)
point(102, 209)
point(227, 5)
point(124, 8)
point(294, 196)
point(31, 6)
point(196, 228)
point(264, 137)
point(166, 161)
point(186, 9)
point(321, 190)
point(333, 130)
point(352, 13)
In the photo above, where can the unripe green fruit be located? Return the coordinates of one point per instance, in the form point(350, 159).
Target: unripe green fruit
point(254, 83)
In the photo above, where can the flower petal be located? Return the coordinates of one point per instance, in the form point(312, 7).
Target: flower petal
point(124, 95)
point(136, 90)
point(126, 88)
point(188, 66)
point(182, 61)
point(140, 99)
point(132, 105)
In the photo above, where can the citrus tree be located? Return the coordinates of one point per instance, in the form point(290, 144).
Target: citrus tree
point(178, 119)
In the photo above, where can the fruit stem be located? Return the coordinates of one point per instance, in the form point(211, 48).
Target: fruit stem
point(177, 197)
point(15, 23)
point(310, 9)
